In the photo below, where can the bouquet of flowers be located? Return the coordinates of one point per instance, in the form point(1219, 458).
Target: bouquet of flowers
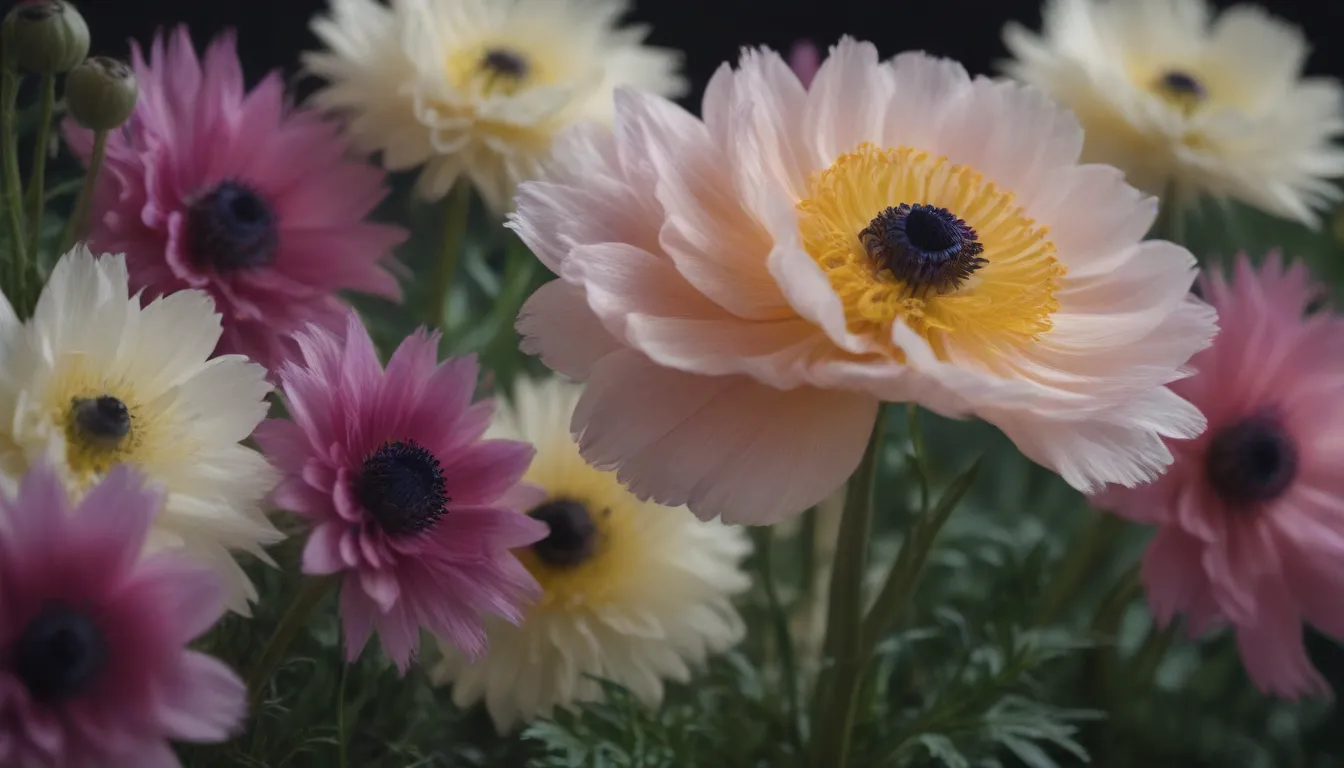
point(488, 408)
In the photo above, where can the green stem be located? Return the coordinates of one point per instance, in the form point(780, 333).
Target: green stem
point(1081, 562)
point(1101, 661)
point(310, 594)
point(1170, 223)
point(75, 225)
point(915, 550)
point(454, 233)
point(780, 624)
point(37, 178)
point(1148, 659)
point(837, 690)
point(342, 740)
point(9, 150)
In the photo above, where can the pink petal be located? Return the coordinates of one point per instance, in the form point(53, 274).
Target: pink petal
point(483, 472)
point(1176, 581)
point(1272, 650)
point(191, 598)
point(380, 585)
point(284, 443)
point(709, 238)
point(725, 446)
point(206, 702)
point(468, 533)
point(556, 324)
point(322, 552)
point(115, 517)
point(357, 615)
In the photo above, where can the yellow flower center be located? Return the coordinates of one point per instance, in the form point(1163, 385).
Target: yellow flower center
point(497, 68)
point(906, 236)
point(1181, 89)
point(593, 550)
point(104, 422)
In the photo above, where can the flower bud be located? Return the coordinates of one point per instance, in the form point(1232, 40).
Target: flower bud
point(100, 93)
point(49, 36)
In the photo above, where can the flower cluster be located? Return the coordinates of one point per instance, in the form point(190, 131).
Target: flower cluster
point(739, 296)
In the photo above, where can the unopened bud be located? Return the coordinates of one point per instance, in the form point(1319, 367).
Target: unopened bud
point(49, 36)
point(100, 93)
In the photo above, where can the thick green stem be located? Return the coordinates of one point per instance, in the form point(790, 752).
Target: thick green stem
point(37, 196)
point(296, 617)
point(450, 253)
point(9, 151)
point(1085, 555)
point(75, 226)
point(838, 688)
point(779, 621)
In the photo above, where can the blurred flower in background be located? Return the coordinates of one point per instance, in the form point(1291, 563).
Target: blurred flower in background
point(94, 669)
point(230, 191)
point(475, 88)
point(93, 380)
point(1251, 516)
point(632, 592)
point(1191, 105)
point(898, 232)
point(805, 60)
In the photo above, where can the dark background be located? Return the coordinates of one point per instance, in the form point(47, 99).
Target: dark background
point(273, 32)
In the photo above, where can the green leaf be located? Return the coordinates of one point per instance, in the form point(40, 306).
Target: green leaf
point(943, 750)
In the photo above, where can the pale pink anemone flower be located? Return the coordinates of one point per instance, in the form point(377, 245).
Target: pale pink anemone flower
point(741, 293)
point(1251, 516)
point(211, 186)
point(94, 669)
point(406, 500)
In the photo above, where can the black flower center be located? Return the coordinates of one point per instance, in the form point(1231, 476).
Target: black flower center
point(923, 246)
point(402, 487)
point(232, 227)
point(59, 654)
point(1181, 88)
point(573, 536)
point(503, 62)
point(1250, 461)
point(102, 421)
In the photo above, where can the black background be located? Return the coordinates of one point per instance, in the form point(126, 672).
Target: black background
point(273, 32)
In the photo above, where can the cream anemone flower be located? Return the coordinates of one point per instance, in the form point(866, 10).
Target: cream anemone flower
point(1191, 105)
point(741, 293)
point(94, 380)
point(478, 87)
point(632, 592)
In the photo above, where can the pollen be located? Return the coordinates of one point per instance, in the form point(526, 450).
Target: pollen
point(979, 275)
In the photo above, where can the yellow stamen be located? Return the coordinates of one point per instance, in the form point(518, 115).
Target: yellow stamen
point(1006, 302)
point(615, 561)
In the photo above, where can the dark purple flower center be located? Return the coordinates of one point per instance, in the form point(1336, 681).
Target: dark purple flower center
point(232, 227)
point(504, 63)
point(59, 654)
point(923, 246)
point(1251, 461)
point(402, 487)
point(1182, 84)
point(573, 536)
point(103, 420)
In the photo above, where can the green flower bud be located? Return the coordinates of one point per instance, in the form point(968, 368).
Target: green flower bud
point(100, 93)
point(49, 36)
